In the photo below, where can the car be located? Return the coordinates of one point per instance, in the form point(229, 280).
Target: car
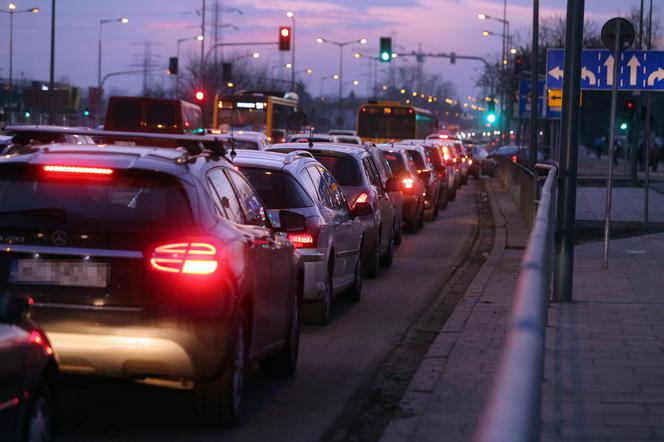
point(29, 375)
point(435, 157)
point(342, 132)
point(348, 139)
point(432, 181)
point(412, 187)
point(396, 196)
point(307, 137)
point(481, 163)
point(322, 226)
point(151, 264)
point(243, 139)
point(462, 162)
point(449, 159)
point(354, 169)
point(516, 154)
point(31, 134)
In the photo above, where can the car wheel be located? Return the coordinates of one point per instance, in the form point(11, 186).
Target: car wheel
point(318, 312)
point(354, 293)
point(40, 422)
point(452, 195)
point(388, 257)
point(373, 262)
point(443, 201)
point(420, 219)
point(218, 400)
point(284, 363)
point(464, 179)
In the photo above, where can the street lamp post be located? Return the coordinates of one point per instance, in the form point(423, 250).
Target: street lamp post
point(322, 82)
point(341, 46)
point(291, 15)
point(123, 20)
point(177, 56)
point(11, 10)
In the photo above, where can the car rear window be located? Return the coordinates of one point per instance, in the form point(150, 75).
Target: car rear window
point(343, 168)
point(161, 116)
point(417, 159)
point(433, 156)
point(135, 198)
point(125, 115)
point(278, 190)
point(244, 144)
point(396, 163)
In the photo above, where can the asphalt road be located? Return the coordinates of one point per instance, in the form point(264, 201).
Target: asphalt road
point(334, 360)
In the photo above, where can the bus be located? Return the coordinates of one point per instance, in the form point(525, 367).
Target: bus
point(386, 121)
point(276, 117)
point(149, 114)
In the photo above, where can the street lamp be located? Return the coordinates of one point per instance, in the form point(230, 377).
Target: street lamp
point(124, 21)
point(11, 10)
point(341, 46)
point(177, 56)
point(322, 82)
point(291, 15)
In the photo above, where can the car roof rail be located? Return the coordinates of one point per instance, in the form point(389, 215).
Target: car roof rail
point(290, 156)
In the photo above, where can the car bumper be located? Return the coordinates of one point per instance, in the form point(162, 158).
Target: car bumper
point(130, 344)
point(314, 273)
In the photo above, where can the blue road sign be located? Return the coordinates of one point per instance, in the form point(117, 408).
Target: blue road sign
point(544, 111)
point(638, 70)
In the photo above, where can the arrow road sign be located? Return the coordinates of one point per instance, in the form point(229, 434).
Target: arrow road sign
point(544, 108)
point(637, 70)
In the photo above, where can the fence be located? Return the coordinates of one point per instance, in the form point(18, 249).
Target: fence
point(513, 411)
point(520, 182)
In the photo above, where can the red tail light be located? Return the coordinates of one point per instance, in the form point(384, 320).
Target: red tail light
point(301, 240)
point(189, 258)
point(37, 338)
point(76, 170)
point(514, 158)
point(463, 159)
point(407, 183)
point(470, 161)
point(361, 198)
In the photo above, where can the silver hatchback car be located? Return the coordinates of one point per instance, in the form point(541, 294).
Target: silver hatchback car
point(305, 201)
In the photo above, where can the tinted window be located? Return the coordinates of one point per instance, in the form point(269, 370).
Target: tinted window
point(125, 115)
point(278, 190)
point(129, 197)
point(349, 140)
point(249, 200)
point(372, 173)
point(336, 196)
point(433, 157)
point(417, 159)
point(377, 122)
point(321, 186)
point(342, 167)
point(249, 145)
point(161, 116)
point(224, 196)
point(396, 163)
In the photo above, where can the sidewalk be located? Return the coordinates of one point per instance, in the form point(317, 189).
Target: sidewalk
point(589, 165)
point(446, 396)
point(604, 368)
point(626, 206)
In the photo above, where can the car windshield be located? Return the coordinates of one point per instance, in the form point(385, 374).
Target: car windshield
point(246, 144)
point(343, 168)
point(278, 190)
point(396, 163)
point(141, 199)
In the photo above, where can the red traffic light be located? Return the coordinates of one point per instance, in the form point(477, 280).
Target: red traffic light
point(630, 105)
point(284, 38)
point(199, 95)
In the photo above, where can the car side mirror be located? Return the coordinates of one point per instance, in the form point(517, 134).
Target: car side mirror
point(291, 221)
point(362, 209)
point(392, 185)
point(14, 309)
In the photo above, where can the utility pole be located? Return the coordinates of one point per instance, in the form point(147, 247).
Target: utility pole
point(202, 67)
point(566, 207)
point(534, 89)
point(147, 63)
point(216, 10)
point(51, 81)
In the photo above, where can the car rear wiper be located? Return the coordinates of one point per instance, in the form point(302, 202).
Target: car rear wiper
point(42, 212)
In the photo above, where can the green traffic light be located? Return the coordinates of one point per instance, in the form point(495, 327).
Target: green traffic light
point(491, 118)
point(385, 56)
point(623, 126)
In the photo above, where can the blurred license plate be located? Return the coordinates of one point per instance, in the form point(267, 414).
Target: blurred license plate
point(64, 273)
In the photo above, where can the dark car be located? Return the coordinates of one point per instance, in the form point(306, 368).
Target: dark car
point(432, 181)
point(481, 163)
point(354, 169)
point(29, 375)
point(435, 158)
point(322, 226)
point(412, 187)
point(151, 264)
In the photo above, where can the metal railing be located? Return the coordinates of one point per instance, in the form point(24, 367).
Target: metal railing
point(520, 183)
point(514, 408)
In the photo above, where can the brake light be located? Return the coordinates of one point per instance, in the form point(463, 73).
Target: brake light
point(301, 240)
point(470, 161)
point(463, 159)
point(77, 170)
point(454, 159)
point(361, 198)
point(514, 158)
point(407, 183)
point(189, 258)
point(37, 338)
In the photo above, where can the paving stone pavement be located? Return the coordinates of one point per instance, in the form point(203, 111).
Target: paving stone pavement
point(627, 204)
point(447, 394)
point(604, 366)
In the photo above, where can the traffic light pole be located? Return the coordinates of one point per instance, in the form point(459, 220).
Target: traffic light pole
point(566, 205)
point(534, 92)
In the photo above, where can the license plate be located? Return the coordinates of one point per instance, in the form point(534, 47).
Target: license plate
point(61, 273)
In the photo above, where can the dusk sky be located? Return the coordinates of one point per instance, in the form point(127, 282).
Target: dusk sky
point(440, 25)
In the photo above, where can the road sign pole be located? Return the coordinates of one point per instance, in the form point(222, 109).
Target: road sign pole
point(647, 159)
point(566, 207)
point(612, 153)
point(534, 89)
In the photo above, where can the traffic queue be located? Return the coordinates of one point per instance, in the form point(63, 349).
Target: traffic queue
point(185, 259)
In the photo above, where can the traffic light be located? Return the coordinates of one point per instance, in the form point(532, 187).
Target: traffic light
point(628, 108)
point(385, 54)
point(199, 95)
point(518, 64)
point(173, 65)
point(284, 38)
point(86, 112)
point(491, 111)
point(623, 126)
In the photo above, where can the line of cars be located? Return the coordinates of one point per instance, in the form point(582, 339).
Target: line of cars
point(186, 265)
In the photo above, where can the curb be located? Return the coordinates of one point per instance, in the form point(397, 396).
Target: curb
point(417, 398)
